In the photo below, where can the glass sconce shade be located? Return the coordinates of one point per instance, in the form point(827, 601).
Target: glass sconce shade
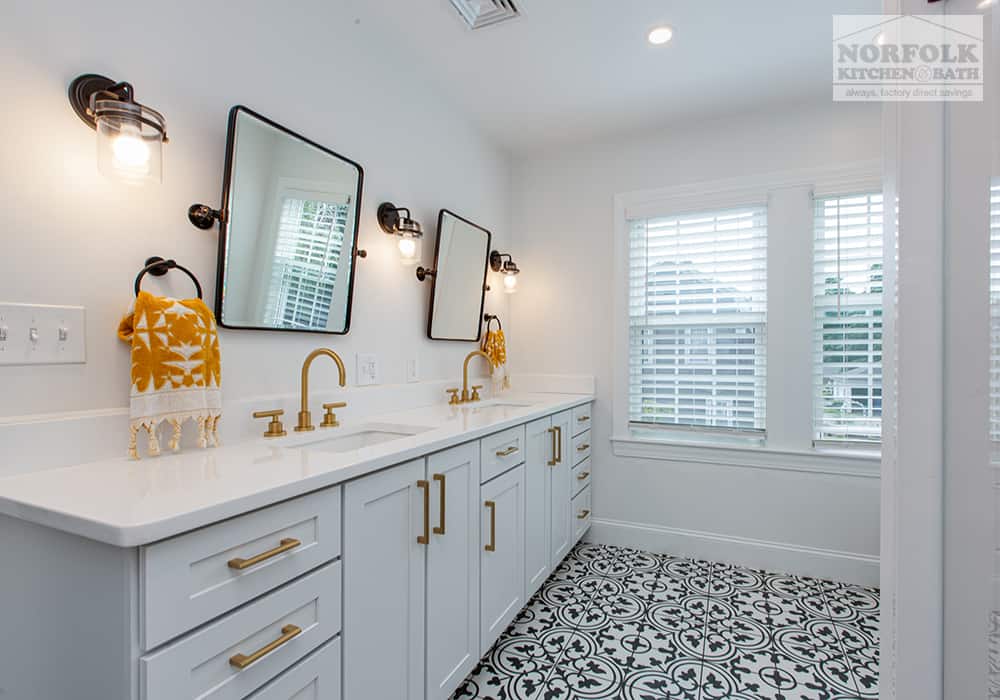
point(503, 262)
point(129, 141)
point(130, 136)
point(510, 282)
point(409, 249)
point(394, 222)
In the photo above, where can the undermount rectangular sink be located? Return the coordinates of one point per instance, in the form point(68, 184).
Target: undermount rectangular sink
point(364, 437)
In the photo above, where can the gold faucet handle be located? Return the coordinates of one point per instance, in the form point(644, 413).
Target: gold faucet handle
point(274, 428)
point(454, 396)
point(475, 392)
point(330, 418)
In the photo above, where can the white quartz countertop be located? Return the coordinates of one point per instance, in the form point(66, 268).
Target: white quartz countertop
point(129, 503)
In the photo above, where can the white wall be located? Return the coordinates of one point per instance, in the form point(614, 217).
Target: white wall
point(72, 237)
point(563, 225)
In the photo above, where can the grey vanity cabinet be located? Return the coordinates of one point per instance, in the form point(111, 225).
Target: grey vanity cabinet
point(411, 590)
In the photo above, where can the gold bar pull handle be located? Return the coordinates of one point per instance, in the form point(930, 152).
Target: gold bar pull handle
point(492, 546)
point(288, 633)
point(558, 430)
point(583, 476)
point(508, 452)
point(584, 447)
point(553, 462)
point(583, 419)
point(439, 530)
point(426, 537)
point(583, 514)
point(286, 545)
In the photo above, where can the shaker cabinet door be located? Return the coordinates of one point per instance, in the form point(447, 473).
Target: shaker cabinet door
point(384, 584)
point(560, 493)
point(540, 449)
point(452, 569)
point(502, 553)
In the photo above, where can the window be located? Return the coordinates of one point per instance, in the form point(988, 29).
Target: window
point(306, 257)
point(697, 304)
point(847, 300)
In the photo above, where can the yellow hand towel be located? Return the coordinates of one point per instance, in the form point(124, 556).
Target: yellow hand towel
point(495, 347)
point(176, 370)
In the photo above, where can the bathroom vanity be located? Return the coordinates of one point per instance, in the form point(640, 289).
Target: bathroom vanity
point(370, 561)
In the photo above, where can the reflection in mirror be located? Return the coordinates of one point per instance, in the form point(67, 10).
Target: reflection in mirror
point(289, 232)
point(459, 285)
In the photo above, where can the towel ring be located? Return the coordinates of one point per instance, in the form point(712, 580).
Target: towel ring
point(489, 318)
point(158, 267)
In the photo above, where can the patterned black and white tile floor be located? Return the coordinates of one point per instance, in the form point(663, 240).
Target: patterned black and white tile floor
point(620, 623)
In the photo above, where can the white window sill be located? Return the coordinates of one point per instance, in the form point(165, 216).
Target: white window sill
point(842, 462)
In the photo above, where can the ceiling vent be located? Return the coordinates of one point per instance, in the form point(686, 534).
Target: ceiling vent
point(482, 13)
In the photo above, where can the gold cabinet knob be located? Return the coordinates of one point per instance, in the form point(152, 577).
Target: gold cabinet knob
point(330, 418)
point(475, 392)
point(454, 396)
point(274, 428)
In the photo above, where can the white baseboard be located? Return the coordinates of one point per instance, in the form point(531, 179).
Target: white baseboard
point(780, 557)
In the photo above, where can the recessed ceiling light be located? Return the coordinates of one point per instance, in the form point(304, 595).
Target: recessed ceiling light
point(660, 35)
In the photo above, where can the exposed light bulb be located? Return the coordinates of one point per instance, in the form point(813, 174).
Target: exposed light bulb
point(407, 250)
point(880, 39)
point(660, 35)
point(510, 283)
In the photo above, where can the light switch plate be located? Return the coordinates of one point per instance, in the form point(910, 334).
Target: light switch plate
point(367, 369)
point(36, 334)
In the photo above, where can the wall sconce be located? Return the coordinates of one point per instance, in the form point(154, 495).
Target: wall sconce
point(408, 231)
point(130, 136)
point(508, 267)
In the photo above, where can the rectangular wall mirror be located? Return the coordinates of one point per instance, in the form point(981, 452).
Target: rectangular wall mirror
point(458, 289)
point(289, 233)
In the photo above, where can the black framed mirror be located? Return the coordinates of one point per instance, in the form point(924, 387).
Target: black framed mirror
point(288, 230)
point(458, 285)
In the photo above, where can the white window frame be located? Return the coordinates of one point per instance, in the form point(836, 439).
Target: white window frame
point(788, 443)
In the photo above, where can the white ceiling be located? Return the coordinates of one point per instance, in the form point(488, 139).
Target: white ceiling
point(571, 70)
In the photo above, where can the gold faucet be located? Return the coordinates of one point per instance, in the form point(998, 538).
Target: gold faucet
point(305, 418)
point(466, 397)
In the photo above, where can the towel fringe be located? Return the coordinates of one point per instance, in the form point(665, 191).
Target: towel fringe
point(207, 422)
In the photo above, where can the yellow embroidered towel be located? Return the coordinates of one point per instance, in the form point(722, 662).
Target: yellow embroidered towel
point(495, 347)
point(176, 370)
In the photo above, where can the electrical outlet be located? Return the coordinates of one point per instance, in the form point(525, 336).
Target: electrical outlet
point(367, 369)
point(412, 370)
point(36, 334)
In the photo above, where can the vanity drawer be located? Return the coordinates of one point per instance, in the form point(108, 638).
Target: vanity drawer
point(581, 447)
point(581, 514)
point(501, 451)
point(201, 665)
point(316, 677)
point(582, 418)
point(193, 578)
point(581, 476)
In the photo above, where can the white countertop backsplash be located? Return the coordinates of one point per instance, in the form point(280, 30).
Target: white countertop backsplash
point(69, 472)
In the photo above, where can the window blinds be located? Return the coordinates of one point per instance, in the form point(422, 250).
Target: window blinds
point(697, 307)
point(306, 257)
point(847, 291)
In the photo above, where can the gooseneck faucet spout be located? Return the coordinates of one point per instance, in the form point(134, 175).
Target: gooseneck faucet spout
point(305, 418)
point(465, 376)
